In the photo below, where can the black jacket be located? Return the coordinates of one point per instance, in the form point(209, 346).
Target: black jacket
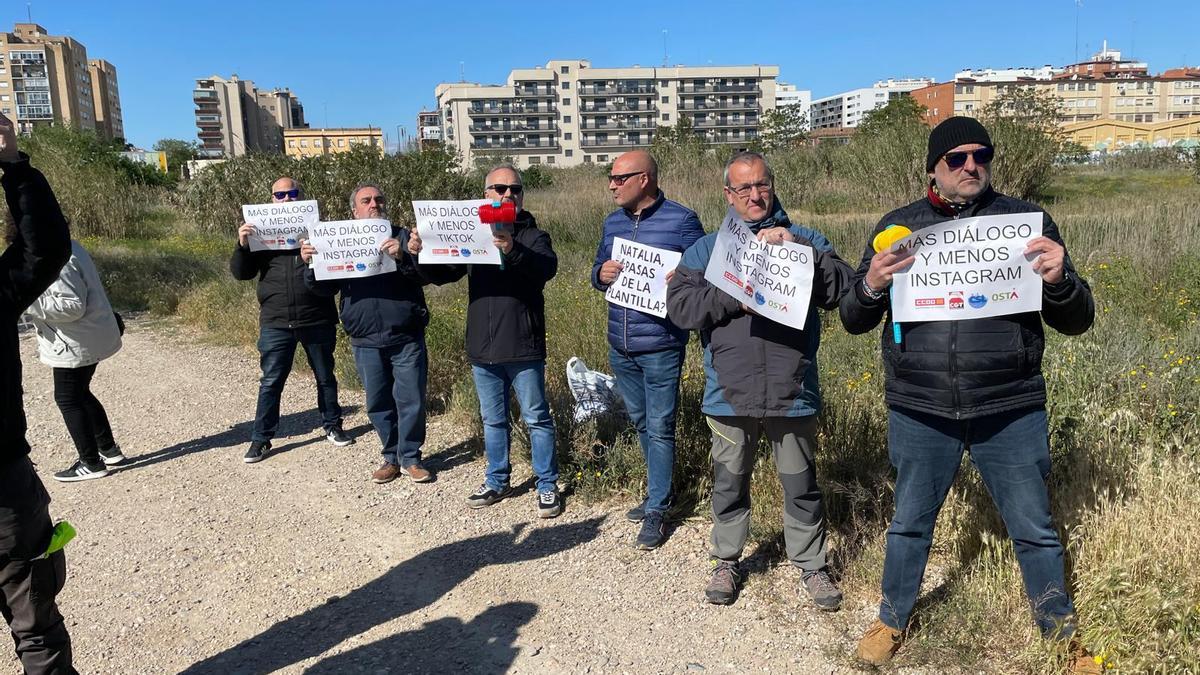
point(385, 310)
point(284, 300)
point(27, 267)
point(506, 317)
point(975, 367)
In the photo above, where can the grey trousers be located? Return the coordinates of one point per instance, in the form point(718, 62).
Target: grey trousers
point(794, 444)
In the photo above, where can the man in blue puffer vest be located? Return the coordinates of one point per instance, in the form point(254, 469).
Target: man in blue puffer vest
point(646, 352)
point(761, 379)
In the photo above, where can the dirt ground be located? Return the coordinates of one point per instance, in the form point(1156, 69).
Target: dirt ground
point(190, 560)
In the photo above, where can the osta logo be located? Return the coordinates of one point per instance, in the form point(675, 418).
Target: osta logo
point(758, 297)
point(1004, 295)
point(977, 300)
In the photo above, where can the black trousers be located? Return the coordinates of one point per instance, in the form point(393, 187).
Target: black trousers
point(81, 410)
point(29, 583)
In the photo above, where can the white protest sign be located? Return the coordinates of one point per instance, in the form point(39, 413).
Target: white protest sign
point(775, 280)
point(350, 248)
point(969, 269)
point(278, 226)
point(451, 232)
point(642, 283)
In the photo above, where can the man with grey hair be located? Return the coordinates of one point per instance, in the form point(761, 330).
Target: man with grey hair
point(760, 379)
point(506, 343)
point(385, 316)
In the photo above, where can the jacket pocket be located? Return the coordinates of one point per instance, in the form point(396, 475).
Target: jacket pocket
point(47, 576)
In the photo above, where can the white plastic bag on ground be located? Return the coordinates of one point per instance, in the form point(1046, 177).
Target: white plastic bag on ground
point(595, 392)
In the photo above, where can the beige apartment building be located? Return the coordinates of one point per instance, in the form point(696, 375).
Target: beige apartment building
point(315, 142)
point(567, 113)
point(234, 117)
point(48, 79)
point(109, 121)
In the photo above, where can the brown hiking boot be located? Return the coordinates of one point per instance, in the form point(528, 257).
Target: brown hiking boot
point(417, 473)
point(386, 473)
point(1082, 662)
point(879, 643)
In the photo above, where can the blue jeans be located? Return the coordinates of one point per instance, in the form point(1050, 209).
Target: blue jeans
point(493, 384)
point(1011, 450)
point(649, 384)
point(277, 350)
point(393, 380)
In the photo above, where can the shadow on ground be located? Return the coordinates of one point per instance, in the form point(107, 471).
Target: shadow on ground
point(485, 643)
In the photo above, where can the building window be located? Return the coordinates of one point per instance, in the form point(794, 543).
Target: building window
point(535, 160)
point(341, 142)
point(566, 84)
point(566, 101)
point(567, 136)
point(587, 159)
point(570, 153)
point(666, 99)
point(303, 143)
point(549, 160)
point(666, 117)
point(601, 158)
point(291, 142)
point(566, 119)
point(565, 70)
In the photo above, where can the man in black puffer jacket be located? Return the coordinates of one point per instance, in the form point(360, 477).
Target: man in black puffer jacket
point(39, 245)
point(974, 384)
point(506, 343)
point(385, 316)
point(289, 313)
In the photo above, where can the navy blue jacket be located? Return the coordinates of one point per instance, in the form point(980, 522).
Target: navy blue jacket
point(664, 224)
point(384, 310)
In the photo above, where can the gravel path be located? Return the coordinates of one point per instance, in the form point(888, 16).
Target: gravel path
point(190, 560)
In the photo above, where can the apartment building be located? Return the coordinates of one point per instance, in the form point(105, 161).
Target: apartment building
point(567, 113)
point(47, 79)
point(315, 142)
point(233, 117)
point(847, 109)
point(429, 129)
point(788, 95)
point(107, 99)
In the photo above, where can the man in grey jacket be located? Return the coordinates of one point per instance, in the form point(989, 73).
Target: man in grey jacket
point(761, 378)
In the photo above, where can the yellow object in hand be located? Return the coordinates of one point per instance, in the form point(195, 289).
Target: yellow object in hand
point(888, 236)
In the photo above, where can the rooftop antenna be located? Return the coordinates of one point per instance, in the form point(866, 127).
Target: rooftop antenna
point(666, 59)
point(462, 72)
point(1078, 4)
point(29, 11)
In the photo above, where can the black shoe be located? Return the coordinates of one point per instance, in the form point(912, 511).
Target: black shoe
point(112, 456)
point(338, 437)
point(257, 452)
point(636, 514)
point(549, 504)
point(654, 531)
point(485, 496)
point(81, 471)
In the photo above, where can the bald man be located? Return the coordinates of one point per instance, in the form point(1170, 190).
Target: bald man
point(289, 314)
point(646, 352)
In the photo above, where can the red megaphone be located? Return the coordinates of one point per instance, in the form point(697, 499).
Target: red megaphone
point(498, 213)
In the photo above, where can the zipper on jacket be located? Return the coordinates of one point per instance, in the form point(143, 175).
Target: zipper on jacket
point(954, 368)
point(637, 219)
point(291, 293)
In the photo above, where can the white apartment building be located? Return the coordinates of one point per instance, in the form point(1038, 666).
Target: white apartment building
point(567, 113)
point(788, 95)
point(1007, 74)
point(848, 108)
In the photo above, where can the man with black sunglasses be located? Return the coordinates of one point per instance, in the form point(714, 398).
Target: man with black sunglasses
point(972, 385)
point(646, 352)
point(289, 314)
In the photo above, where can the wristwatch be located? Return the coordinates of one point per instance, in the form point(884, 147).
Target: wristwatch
point(870, 292)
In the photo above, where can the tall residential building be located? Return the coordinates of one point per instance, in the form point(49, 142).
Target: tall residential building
point(233, 117)
point(46, 79)
point(847, 109)
point(788, 95)
point(567, 113)
point(109, 121)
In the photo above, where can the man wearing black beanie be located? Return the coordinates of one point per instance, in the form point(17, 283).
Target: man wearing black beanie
point(974, 385)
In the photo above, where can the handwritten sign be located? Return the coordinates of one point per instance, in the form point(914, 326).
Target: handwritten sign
point(775, 280)
point(969, 269)
point(278, 226)
point(642, 283)
point(451, 233)
point(347, 249)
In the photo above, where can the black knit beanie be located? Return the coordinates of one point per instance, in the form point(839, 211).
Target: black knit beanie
point(952, 133)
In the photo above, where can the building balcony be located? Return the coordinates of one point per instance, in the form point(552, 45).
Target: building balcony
point(718, 105)
point(204, 95)
point(540, 93)
point(509, 128)
point(592, 90)
point(610, 107)
point(515, 145)
point(712, 88)
point(513, 110)
point(592, 125)
point(725, 123)
point(615, 142)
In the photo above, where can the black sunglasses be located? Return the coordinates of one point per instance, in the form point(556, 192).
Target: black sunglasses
point(620, 178)
point(957, 160)
point(501, 188)
point(294, 193)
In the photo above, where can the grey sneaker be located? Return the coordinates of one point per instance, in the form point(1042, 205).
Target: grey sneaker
point(825, 595)
point(549, 504)
point(654, 531)
point(485, 496)
point(636, 514)
point(723, 586)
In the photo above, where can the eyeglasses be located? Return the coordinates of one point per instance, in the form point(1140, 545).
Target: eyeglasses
point(744, 190)
point(957, 160)
point(294, 193)
point(501, 188)
point(620, 178)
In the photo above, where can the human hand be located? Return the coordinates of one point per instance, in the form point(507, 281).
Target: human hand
point(775, 235)
point(609, 272)
point(414, 242)
point(503, 240)
point(1050, 261)
point(306, 251)
point(243, 234)
point(885, 264)
point(391, 246)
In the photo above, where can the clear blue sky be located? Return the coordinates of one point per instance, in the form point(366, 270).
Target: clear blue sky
point(358, 63)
